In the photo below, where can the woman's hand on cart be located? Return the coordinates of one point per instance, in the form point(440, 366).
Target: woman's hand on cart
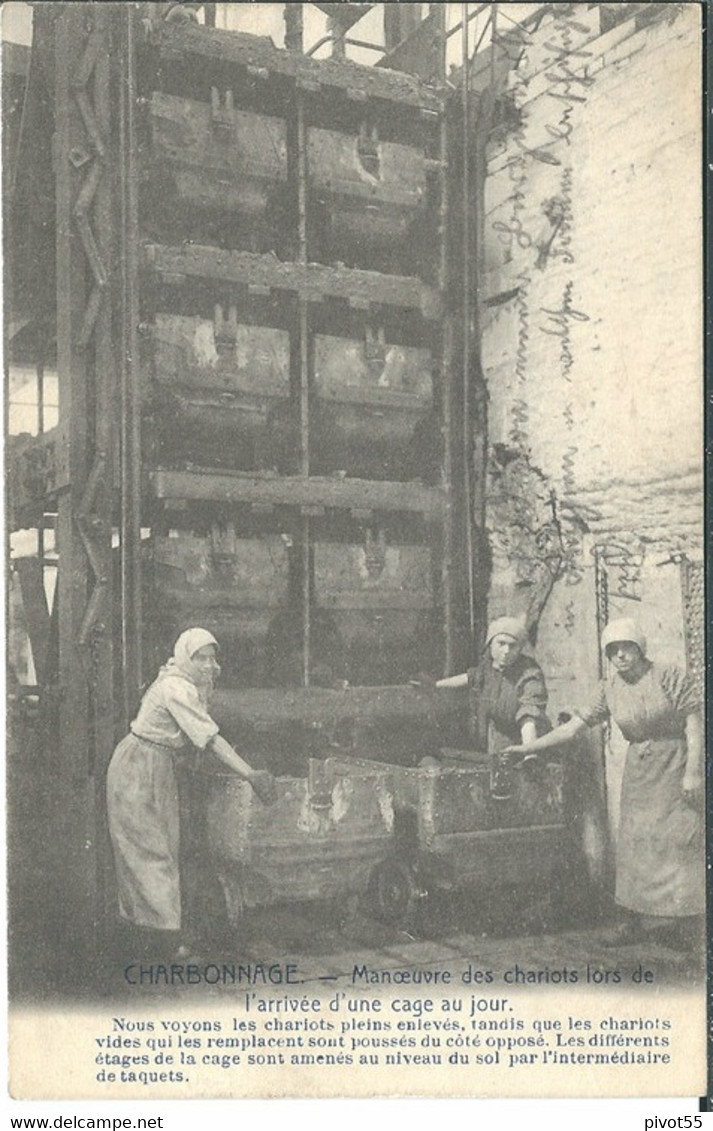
point(265, 786)
point(518, 757)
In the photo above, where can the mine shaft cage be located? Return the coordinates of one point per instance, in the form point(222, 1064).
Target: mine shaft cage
point(254, 272)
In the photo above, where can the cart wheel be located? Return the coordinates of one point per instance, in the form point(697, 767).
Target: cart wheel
point(397, 894)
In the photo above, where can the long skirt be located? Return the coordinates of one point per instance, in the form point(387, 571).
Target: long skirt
point(660, 850)
point(142, 800)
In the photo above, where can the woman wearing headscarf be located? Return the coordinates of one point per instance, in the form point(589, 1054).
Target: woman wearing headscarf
point(508, 691)
point(659, 852)
point(142, 792)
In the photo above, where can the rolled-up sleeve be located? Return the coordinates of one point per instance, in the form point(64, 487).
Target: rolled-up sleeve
point(182, 701)
point(596, 711)
point(531, 694)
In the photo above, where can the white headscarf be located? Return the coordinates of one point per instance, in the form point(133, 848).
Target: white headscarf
point(625, 629)
point(181, 662)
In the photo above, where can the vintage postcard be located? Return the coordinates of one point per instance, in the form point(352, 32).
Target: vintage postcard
point(354, 398)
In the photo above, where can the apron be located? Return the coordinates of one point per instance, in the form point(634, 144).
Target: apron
point(659, 855)
point(142, 799)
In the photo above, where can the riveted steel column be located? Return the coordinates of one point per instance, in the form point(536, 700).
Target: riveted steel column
point(445, 365)
point(129, 375)
point(104, 452)
point(303, 333)
point(75, 163)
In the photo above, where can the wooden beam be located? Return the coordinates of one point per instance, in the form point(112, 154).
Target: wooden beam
point(313, 282)
point(256, 54)
point(319, 704)
point(298, 491)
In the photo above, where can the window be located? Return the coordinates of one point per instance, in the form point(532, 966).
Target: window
point(33, 399)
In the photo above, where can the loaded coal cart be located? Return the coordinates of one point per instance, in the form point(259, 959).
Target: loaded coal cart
point(399, 834)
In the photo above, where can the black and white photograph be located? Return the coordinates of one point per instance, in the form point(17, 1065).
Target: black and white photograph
point(355, 549)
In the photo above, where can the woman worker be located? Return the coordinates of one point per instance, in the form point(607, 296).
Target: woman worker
point(142, 793)
point(508, 689)
point(659, 853)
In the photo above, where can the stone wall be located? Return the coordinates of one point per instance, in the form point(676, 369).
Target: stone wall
point(591, 288)
point(592, 331)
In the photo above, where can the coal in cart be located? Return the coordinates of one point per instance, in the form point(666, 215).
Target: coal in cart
point(398, 834)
